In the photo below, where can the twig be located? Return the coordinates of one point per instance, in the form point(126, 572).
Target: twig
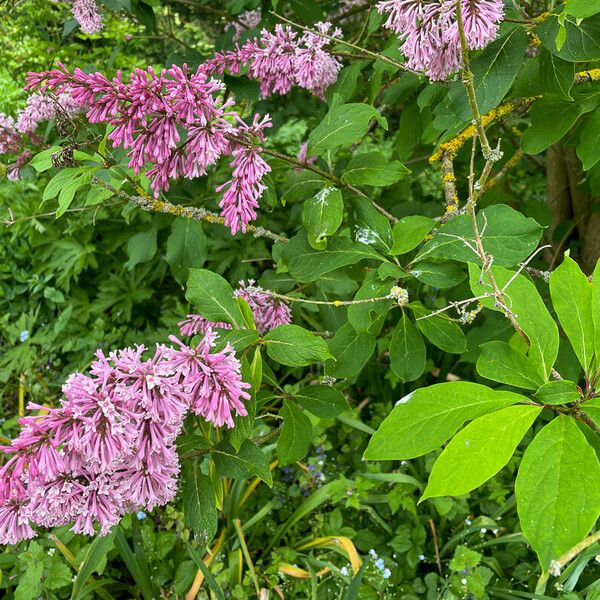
point(438, 559)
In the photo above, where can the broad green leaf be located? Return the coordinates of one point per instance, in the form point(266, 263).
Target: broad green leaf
point(95, 554)
point(582, 42)
point(556, 75)
point(559, 391)
point(351, 350)
point(528, 308)
point(588, 149)
point(424, 419)
point(592, 408)
point(249, 461)
point(302, 185)
point(508, 236)
point(558, 496)
point(56, 184)
point(294, 346)
point(295, 435)
point(141, 248)
point(441, 275)
point(409, 232)
point(552, 118)
point(322, 400)
point(370, 226)
point(240, 339)
point(322, 215)
point(186, 247)
point(344, 124)
point(571, 294)
point(306, 264)
point(596, 311)
point(372, 168)
point(494, 70)
point(212, 297)
point(42, 161)
point(581, 9)
point(199, 508)
point(363, 316)
point(439, 330)
point(479, 451)
point(407, 350)
point(501, 362)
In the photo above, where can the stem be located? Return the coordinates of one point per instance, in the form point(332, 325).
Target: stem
point(557, 565)
point(324, 302)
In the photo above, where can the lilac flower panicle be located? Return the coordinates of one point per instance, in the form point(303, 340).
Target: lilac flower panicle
point(87, 14)
point(430, 35)
point(193, 324)
point(268, 312)
point(43, 107)
point(10, 140)
point(109, 448)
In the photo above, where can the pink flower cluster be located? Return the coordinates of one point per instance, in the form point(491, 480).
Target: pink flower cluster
point(430, 34)
point(109, 448)
point(43, 107)
point(87, 14)
point(175, 122)
point(10, 140)
point(280, 60)
point(268, 312)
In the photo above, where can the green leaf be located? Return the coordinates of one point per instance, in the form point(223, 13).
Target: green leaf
point(363, 316)
point(301, 185)
point(42, 161)
point(407, 350)
point(477, 452)
point(494, 71)
point(344, 124)
point(322, 400)
point(441, 275)
point(351, 351)
point(556, 75)
point(529, 309)
point(507, 235)
point(409, 232)
point(582, 43)
point(214, 587)
point(552, 118)
point(596, 311)
point(439, 330)
point(213, 297)
point(56, 184)
point(186, 247)
point(372, 168)
point(306, 264)
point(322, 215)
point(250, 461)
point(424, 419)
point(581, 9)
point(95, 554)
point(501, 362)
point(135, 566)
point(557, 392)
point(141, 248)
point(370, 226)
point(558, 497)
point(199, 508)
point(588, 149)
point(571, 295)
point(295, 435)
point(592, 408)
point(294, 346)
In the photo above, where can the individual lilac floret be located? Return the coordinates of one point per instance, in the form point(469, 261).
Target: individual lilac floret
point(87, 14)
point(268, 312)
point(430, 34)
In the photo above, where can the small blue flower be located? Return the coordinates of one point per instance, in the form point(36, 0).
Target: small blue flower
point(344, 571)
point(141, 515)
point(386, 574)
point(380, 564)
point(421, 557)
point(24, 335)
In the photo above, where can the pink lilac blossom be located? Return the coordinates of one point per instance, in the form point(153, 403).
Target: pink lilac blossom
point(109, 447)
point(43, 107)
point(13, 171)
point(10, 140)
point(430, 34)
point(192, 324)
point(268, 312)
point(280, 60)
point(87, 14)
point(249, 19)
point(177, 123)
